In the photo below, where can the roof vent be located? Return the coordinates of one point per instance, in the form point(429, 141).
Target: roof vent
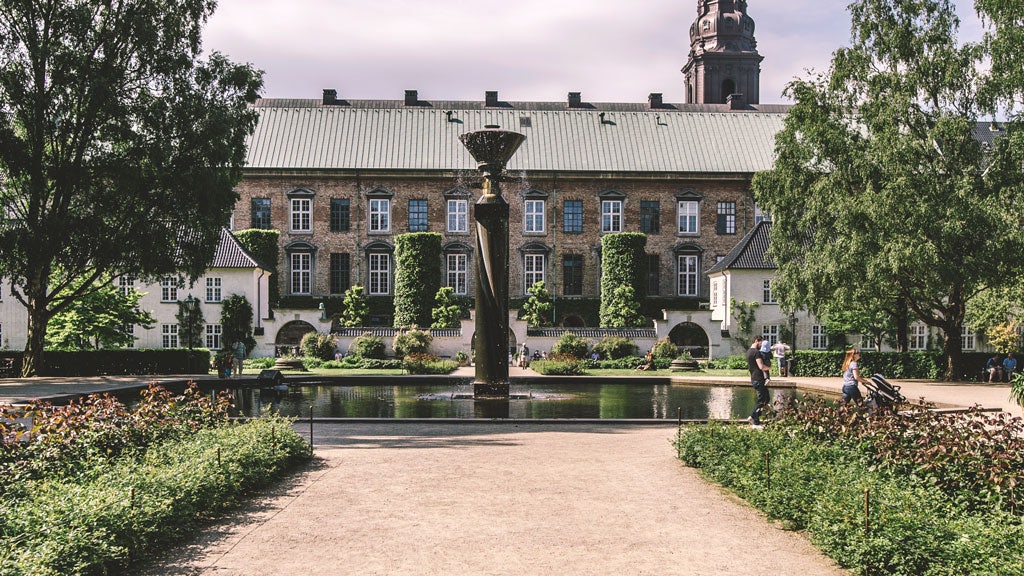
point(330, 96)
point(412, 98)
point(575, 101)
point(654, 100)
point(735, 102)
point(491, 98)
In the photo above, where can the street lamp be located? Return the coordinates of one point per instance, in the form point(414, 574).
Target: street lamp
point(190, 310)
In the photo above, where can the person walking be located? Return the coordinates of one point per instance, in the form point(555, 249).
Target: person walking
point(238, 355)
point(779, 350)
point(759, 368)
point(852, 377)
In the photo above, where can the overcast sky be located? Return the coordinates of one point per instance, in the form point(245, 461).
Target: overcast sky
point(527, 50)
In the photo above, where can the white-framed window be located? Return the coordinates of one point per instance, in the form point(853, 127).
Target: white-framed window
point(689, 217)
point(688, 278)
point(169, 290)
point(533, 270)
point(458, 215)
point(213, 334)
point(819, 337)
point(770, 332)
point(455, 272)
point(918, 337)
point(170, 335)
point(767, 296)
point(213, 290)
point(611, 216)
point(125, 284)
point(967, 339)
point(714, 294)
point(129, 330)
point(301, 272)
point(380, 273)
point(533, 216)
point(380, 214)
point(302, 214)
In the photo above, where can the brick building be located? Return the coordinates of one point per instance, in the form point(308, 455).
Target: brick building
point(340, 178)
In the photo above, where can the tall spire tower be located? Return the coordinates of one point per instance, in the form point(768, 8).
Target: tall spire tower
point(723, 54)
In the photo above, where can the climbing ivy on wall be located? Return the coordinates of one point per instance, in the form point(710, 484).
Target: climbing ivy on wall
point(417, 277)
point(623, 279)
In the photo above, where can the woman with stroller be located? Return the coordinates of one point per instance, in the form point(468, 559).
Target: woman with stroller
point(852, 377)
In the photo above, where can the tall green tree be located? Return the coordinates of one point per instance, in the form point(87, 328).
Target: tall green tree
point(191, 323)
point(447, 312)
point(98, 320)
point(881, 190)
point(356, 308)
point(538, 307)
point(623, 264)
point(119, 147)
point(236, 322)
point(417, 277)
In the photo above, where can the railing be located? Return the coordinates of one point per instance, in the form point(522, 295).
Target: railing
point(390, 332)
point(592, 332)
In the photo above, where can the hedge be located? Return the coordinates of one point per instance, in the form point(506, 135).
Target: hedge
point(118, 362)
point(417, 277)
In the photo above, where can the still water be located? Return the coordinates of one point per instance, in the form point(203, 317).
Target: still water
point(575, 400)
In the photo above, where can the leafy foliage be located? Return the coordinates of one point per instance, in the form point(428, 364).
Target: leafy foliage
point(447, 312)
point(615, 347)
point(569, 344)
point(97, 319)
point(368, 346)
point(421, 363)
point(417, 277)
point(560, 365)
point(942, 490)
point(236, 322)
point(191, 323)
point(262, 244)
point(317, 345)
point(745, 314)
point(412, 341)
point(122, 157)
point(356, 308)
point(664, 348)
point(880, 187)
point(623, 279)
point(538, 306)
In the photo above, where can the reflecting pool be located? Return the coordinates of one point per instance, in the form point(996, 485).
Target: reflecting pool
point(575, 400)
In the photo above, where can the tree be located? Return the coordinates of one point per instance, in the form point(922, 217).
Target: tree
point(236, 322)
point(356, 308)
point(191, 324)
point(537, 308)
point(119, 147)
point(623, 265)
point(880, 191)
point(98, 320)
point(417, 277)
point(447, 312)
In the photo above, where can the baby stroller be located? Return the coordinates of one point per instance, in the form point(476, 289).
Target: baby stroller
point(883, 394)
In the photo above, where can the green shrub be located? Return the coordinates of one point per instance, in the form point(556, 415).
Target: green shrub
point(461, 357)
point(412, 342)
point(320, 346)
point(420, 363)
point(416, 277)
point(560, 365)
point(734, 362)
point(382, 364)
point(615, 347)
point(627, 363)
point(664, 348)
point(368, 346)
point(262, 363)
point(623, 279)
point(570, 344)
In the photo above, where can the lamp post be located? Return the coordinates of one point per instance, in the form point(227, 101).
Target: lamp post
point(491, 148)
point(191, 306)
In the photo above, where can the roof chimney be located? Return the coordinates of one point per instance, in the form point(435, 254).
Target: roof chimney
point(654, 100)
point(330, 96)
point(574, 100)
point(735, 102)
point(412, 98)
point(491, 98)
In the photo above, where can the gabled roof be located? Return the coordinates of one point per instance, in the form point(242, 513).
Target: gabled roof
point(231, 254)
point(750, 253)
point(620, 138)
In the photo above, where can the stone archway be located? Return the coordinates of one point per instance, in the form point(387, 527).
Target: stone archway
point(290, 336)
point(690, 337)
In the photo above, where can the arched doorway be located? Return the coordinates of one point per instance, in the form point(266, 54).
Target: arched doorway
point(290, 336)
point(690, 337)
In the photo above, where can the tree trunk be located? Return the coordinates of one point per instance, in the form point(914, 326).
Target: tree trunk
point(902, 320)
point(38, 318)
point(952, 348)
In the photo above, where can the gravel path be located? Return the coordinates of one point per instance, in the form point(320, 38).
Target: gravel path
point(496, 498)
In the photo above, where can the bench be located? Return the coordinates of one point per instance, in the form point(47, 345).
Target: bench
point(7, 368)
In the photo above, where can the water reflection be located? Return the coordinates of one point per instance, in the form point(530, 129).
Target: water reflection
point(583, 400)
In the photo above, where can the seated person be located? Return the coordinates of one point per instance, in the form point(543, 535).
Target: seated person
point(1009, 367)
point(994, 369)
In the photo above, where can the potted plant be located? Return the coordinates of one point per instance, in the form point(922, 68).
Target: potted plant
point(683, 362)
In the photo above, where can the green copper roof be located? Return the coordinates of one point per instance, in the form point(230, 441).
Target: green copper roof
point(380, 135)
